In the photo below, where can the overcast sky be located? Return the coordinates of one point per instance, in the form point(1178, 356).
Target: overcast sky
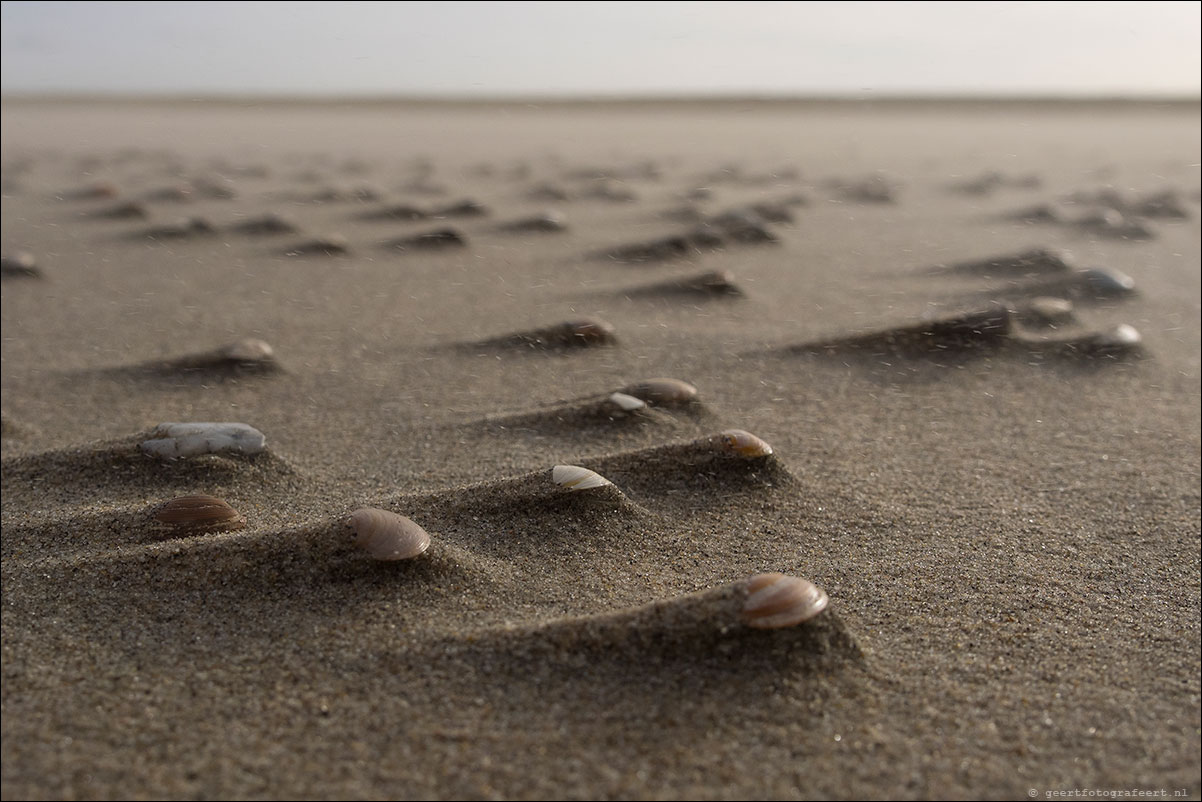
point(563, 48)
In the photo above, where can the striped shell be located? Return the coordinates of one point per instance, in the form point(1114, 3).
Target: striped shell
point(192, 515)
point(741, 444)
point(775, 601)
point(385, 535)
point(663, 392)
point(573, 477)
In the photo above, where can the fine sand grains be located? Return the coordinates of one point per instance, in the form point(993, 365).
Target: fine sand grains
point(477, 499)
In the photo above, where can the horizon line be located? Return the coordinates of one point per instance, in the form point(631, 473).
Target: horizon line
point(602, 98)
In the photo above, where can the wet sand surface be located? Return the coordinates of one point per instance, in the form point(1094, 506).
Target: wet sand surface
point(998, 491)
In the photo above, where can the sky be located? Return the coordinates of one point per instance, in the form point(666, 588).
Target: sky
point(601, 48)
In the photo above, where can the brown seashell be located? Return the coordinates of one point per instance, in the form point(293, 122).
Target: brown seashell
point(663, 392)
point(775, 601)
point(192, 515)
point(741, 444)
point(385, 535)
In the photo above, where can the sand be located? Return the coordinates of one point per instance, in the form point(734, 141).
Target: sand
point(1007, 524)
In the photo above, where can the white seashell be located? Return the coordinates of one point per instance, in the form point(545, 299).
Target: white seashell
point(775, 601)
point(385, 535)
point(573, 477)
point(248, 350)
point(626, 403)
point(174, 440)
point(741, 443)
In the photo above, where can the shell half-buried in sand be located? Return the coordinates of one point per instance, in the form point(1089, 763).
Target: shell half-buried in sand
point(775, 601)
point(739, 443)
point(663, 392)
point(195, 515)
point(385, 535)
point(175, 440)
point(573, 477)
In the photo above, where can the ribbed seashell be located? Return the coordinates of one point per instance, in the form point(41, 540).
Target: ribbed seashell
point(741, 444)
point(626, 403)
point(775, 601)
point(573, 477)
point(174, 440)
point(196, 514)
point(385, 535)
point(663, 392)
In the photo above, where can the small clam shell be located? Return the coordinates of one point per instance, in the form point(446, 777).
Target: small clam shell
point(741, 444)
point(573, 477)
point(195, 514)
point(626, 403)
point(588, 331)
point(248, 350)
point(385, 535)
point(776, 600)
point(663, 392)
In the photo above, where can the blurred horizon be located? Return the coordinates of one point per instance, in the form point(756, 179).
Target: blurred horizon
point(623, 51)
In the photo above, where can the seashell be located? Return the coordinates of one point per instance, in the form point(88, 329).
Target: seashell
point(248, 349)
point(1112, 223)
point(573, 477)
point(1038, 260)
point(741, 444)
point(175, 440)
point(122, 211)
point(1046, 311)
point(20, 265)
point(1166, 204)
point(98, 191)
point(215, 189)
point(545, 222)
point(430, 240)
point(401, 211)
point(1040, 213)
point(264, 225)
point(181, 229)
point(463, 208)
point(663, 392)
point(189, 515)
point(333, 245)
point(626, 403)
point(1118, 340)
point(385, 535)
point(656, 250)
point(587, 331)
point(714, 282)
point(1107, 282)
point(775, 601)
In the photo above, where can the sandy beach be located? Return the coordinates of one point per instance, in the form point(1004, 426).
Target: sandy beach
point(970, 333)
